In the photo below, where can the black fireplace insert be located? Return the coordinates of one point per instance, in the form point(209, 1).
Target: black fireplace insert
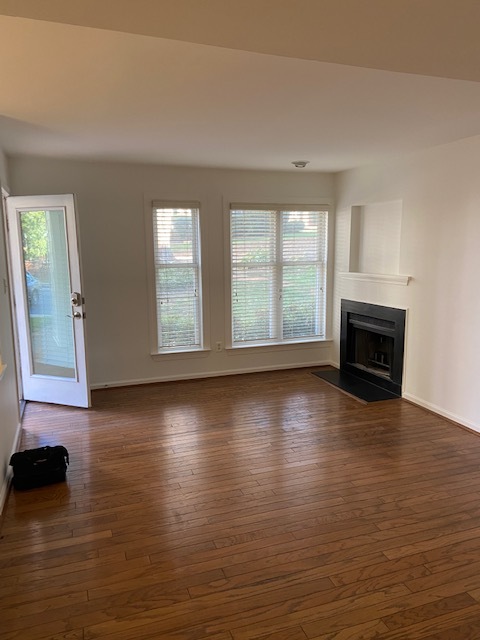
point(372, 341)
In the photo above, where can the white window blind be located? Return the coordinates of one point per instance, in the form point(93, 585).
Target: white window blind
point(278, 271)
point(176, 238)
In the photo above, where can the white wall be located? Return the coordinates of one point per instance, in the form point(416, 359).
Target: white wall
point(110, 201)
point(9, 416)
point(3, 170)
point(440, 249)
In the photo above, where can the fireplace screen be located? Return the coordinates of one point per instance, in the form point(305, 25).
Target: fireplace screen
point(372, 352)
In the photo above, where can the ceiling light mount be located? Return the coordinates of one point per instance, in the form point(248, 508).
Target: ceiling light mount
point(300, 164)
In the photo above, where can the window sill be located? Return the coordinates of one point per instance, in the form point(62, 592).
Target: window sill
point(280, 346)
point(180, 355)
point(242, 349)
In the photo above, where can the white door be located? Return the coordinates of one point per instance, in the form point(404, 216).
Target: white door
point(48, 299)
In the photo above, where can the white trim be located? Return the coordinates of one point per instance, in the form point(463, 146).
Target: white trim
point(180, 355)
point(8, 475)
point(330, 275)
point(385, 278)
point(211, 374)
point(327, 204)
point(267, 347)
point(150, 264)
point(227, 270)
point(292, 205)
point(441, 412)
point(174, 204)
point(298, 204)
point(150, 203)
point(71, 391)
point(242, 349)
point(16, 341)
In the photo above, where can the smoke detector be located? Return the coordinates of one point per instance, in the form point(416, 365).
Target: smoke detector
point(300, 164)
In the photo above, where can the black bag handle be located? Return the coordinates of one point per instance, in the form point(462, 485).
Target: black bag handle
point(33, 455)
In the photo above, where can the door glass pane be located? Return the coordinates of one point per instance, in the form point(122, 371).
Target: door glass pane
point(47, 285)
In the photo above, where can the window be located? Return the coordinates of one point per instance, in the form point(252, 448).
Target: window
point(178, 300)
point(278, 274)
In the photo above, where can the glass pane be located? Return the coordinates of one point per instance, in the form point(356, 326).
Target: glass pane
point(47, 283)
point(254, 285)
point(178, 307)
point(253, 236)
point(253, 303)
point(304, 236)
point(178, 323)
point(302, 309)
point(176, 236)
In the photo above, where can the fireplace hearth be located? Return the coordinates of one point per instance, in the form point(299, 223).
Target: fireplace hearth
point(372, 341)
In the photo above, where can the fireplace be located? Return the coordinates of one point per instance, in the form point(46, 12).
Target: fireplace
point(372, 343)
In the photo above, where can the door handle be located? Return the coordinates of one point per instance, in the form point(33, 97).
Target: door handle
point(76, 314)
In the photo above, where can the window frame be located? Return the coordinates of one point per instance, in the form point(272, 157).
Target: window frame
point(151, 204)
point(3, 214)
point(288, 205)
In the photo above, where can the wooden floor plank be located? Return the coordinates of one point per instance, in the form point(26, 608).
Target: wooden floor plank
point(265, 506)
point(429, 611)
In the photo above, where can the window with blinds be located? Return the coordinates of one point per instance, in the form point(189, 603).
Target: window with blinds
point(278, 272)
point(178, 300)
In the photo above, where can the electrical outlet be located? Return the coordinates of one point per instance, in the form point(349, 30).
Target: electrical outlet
point(218, 346)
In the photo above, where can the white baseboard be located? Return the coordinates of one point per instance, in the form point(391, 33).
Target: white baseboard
point(209, 374)
point(8, 475)
point(441, 412)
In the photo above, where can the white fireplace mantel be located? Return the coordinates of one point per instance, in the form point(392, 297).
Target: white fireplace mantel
point(386, 278)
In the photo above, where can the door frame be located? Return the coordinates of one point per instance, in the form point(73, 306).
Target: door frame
point(20, 312)
point(16, 344)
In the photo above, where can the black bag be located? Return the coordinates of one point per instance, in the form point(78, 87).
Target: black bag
point(37, 467)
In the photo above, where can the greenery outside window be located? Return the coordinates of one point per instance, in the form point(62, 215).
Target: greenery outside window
point(178, 295)
point(278, 274)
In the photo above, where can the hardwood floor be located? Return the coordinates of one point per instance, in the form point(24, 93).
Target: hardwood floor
point(267, 506)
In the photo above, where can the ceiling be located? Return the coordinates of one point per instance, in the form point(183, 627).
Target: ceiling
point(240, 84)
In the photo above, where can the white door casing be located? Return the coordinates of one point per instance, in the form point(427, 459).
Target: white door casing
point(47, 287)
